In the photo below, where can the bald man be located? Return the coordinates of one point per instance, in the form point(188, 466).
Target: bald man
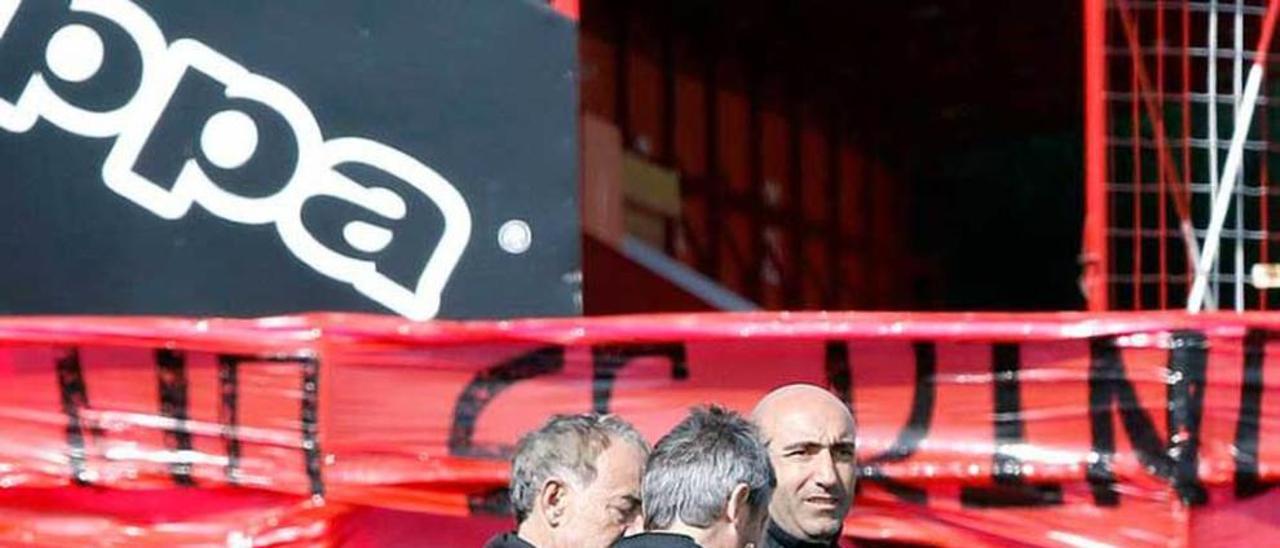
point(810, 435)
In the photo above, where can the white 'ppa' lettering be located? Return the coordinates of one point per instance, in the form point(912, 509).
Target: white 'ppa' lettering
point(75, 53)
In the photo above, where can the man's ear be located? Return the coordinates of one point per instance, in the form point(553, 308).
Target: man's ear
point(635, 526)
point(553, 501)
point(737, 506)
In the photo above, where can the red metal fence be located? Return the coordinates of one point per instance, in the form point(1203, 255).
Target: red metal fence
point(1164, 80)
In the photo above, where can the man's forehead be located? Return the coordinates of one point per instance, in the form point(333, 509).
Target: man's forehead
point(618, 467)
point(810, 424)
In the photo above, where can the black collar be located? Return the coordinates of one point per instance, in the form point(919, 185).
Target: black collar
point(656, 540)
point(508, 540)
point(775, 537)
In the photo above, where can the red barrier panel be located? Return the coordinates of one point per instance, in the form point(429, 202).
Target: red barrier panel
point(975, 430)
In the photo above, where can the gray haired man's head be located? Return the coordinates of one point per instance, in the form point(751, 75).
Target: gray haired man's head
point(566, 445)
point(576, 481)
point(697, 468)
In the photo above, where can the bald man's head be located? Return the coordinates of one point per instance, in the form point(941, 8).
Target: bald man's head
point(798, 396)
point(811, 439)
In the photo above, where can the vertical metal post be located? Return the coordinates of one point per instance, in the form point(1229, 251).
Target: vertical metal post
point(1096, 257)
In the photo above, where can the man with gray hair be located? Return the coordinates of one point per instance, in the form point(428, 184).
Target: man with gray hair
point(575, 483)
point(707, 483)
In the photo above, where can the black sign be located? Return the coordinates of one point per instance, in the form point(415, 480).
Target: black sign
point(241, 157)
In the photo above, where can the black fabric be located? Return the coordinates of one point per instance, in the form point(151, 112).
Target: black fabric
point(775, 537)
point(507, 540)
point(656, 540)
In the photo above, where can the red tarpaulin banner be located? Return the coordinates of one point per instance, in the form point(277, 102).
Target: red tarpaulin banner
point(974, 429)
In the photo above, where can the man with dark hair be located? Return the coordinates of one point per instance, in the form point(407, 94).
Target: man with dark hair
point(811, 439)
point(707, 483)
point(575, 483)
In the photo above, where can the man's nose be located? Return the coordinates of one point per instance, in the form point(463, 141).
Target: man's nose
point(825, 472)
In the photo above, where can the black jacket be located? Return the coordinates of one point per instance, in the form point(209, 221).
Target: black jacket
point(507, 540)
point(775, 537)
point(656, 540)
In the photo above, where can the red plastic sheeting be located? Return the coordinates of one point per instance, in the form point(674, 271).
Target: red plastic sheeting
point(974, 430)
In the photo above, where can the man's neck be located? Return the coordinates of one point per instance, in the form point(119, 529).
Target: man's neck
point(533, 533)
point(707, 538)
point(781, 538)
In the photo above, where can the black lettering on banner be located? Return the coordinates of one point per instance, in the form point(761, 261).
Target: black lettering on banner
point(839, 372)
point(608, 359)
point(1188, 363)
point(309, 414)
point(1010, 489)
point(310, 424)
point(1178, 462)
point(1248, 482)
point(171, 372)
point(916, 429)
point(494, 502)
point(479, 393)
point(485, 387)
point(74, 395)
point(229, 413)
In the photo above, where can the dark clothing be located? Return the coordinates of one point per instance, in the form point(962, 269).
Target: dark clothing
point(775, 537)
point(656, 540)
point(507, 540)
